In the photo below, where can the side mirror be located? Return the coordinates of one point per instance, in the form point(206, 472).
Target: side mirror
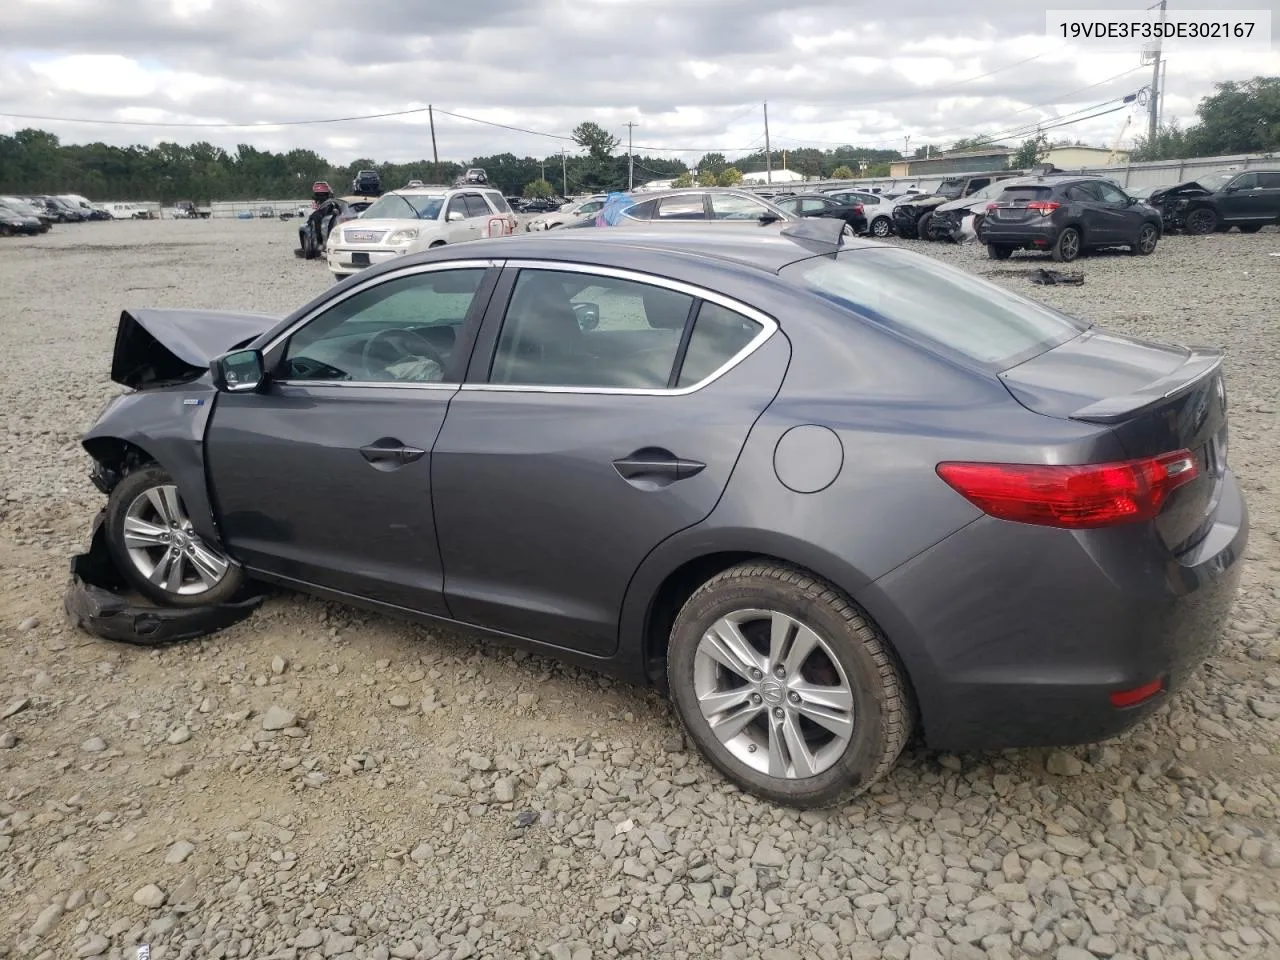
point(1230, 189)
point(239, 372)
point(588, 315)
point(455, 215)
point(769, 217)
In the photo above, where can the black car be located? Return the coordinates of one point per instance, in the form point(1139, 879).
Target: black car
point(367, 183)
point(821, 205)
point(313, 234)
point(1220, 201)
point(58, 210)
point(825, 491)
point(539, 205)
point(25, 208)
point(1067, 216)
point(14, 222)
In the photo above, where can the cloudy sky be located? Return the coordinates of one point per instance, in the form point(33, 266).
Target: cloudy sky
point(691, 73)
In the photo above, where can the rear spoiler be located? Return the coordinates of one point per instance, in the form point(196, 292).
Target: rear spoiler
point(1202, 363)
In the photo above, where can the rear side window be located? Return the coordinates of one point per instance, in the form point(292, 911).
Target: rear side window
point(476, 207)
point(499, 202)
point(643, 211)
point(718, 335)
point(940, 305)
point(1269, 181)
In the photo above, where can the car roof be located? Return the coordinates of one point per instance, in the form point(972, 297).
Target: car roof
point(764, 249)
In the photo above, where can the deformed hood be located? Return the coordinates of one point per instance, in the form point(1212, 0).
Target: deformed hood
point(1189, 189)
point(155, 347)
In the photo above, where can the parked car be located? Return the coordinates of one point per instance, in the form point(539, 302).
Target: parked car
point(188, 210)
point(26, 209)
point(14, 222)
point(60, 211)
point(1068, 216)
point(947, 217)
point(367, 183)
point(1248, 200)
point(824, 493)
point(821, 205)
point(877, 208)
point(474, 175)
point(539, 205)
point(314, 232)
point(681, 208)
point(568, 213)
point(402, 222)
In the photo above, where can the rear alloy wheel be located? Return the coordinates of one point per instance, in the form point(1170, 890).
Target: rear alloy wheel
point(785, 688)
point(1201, 221)
point(1148, 237)
point(155, 547)
point(999, 251)
point(1068, 246)
point(881, 227)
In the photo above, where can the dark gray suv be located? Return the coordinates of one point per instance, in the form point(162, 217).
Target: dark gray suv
point(826, 492)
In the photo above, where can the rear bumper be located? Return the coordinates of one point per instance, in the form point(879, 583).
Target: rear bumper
point(1037, 235)
point(1016, 636)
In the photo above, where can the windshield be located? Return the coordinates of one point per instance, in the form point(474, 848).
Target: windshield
point(925, 299)
point(1216, 181)
point(398, 206)
point(21, 209)
point(951, 189)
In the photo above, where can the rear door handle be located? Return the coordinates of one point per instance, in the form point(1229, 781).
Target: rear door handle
point(656, 463)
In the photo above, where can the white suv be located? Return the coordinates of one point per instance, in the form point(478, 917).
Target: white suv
point(416, 218)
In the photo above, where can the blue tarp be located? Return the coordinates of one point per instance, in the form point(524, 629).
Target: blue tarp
point(614, 204)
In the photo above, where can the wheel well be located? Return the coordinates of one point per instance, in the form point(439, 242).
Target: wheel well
point(113, 459)
point(436, 243)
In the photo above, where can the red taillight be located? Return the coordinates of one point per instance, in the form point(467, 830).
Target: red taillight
point(1044, 207)
point(1077, 496)
point(991, 206)
point(857, 208)
point(1135, 696)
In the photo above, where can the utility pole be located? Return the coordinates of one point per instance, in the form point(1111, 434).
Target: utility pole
point(906, 145)
point(1153, 99)
point(768, 155)
point(631, 160)
point(431, 115)
point(564, 172)
point(543, 176)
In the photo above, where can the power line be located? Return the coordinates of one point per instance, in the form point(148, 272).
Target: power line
point(224, 126)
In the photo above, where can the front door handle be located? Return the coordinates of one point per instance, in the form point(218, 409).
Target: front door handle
point(387, 453)
point(655, 463)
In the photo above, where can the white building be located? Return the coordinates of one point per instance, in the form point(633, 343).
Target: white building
point(779, 176)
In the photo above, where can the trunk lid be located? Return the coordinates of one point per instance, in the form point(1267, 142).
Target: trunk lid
point(1016, 205)
point(1155, 398)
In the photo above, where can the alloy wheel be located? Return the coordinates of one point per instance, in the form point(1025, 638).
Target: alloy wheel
point(773, 693)
point(1070, 245)
point(165, 549)
point(1201, 221)
point(1147, 239)
point(880, 227)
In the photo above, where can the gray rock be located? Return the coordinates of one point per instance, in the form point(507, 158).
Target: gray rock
point(46, 920)
point(1062, 764)
point(150, 896)
point(883, 922)
point(95, 946)
point(279, 665)
point(1070, 846)
point(94, 745)
point(179, 852)
point(180, 735)
point(504, 790)
point(8, 740)
point(30, 623)
point(1266, 709)
point(309, 939)
point(15, 708)
point(278, 718)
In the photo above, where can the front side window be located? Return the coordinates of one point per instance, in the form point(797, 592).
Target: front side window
point(570, 329)
point(401, 330)
point(925, 299)
point(729, 206)
point(814, 206)
point(1110, 193)
point(1247, 182)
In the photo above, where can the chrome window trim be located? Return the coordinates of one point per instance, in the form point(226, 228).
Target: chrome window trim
point(485, 264)
point(769, 326)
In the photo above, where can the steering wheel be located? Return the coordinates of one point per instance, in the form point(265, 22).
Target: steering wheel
point(398, 343)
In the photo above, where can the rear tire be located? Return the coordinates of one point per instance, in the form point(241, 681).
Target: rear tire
point(1200, 221)
point(881, 227)
point(150, 538)
point(1067, 248)
point(814, 709)
point(999, 251)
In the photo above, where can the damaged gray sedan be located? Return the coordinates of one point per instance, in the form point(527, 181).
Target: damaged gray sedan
point(824, 491)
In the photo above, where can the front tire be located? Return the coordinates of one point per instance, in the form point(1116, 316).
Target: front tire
point(155, 548)
point(1067, 247)
point(923, 226)
point(785, 688)
point(1148, 237)
point(1201, 221)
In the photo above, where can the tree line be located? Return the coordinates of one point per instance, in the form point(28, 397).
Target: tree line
point(35, 161)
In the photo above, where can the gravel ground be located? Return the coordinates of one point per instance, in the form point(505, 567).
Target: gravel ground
point(322, 783)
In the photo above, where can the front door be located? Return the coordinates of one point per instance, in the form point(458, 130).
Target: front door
point(325, 476)
point(1122, 218)
point(590, 429)
point(460, 223)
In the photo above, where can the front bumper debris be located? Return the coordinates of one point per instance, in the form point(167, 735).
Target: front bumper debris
point(97, 601)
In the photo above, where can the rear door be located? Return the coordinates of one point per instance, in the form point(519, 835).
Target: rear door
point(1269, 187)
point(1243, 200)
point(603, 412)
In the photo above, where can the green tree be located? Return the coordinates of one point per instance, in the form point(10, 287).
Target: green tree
point(597, 141)
point(707, 178)
point(730, 177)
point(842, 172)
point(1033, 151)
point(1170, 144)
point(1240, 117)
point(537, 189)
point(713, 162)
point(683, 180)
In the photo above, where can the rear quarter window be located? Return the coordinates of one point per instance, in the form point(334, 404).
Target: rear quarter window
point(941, 307)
